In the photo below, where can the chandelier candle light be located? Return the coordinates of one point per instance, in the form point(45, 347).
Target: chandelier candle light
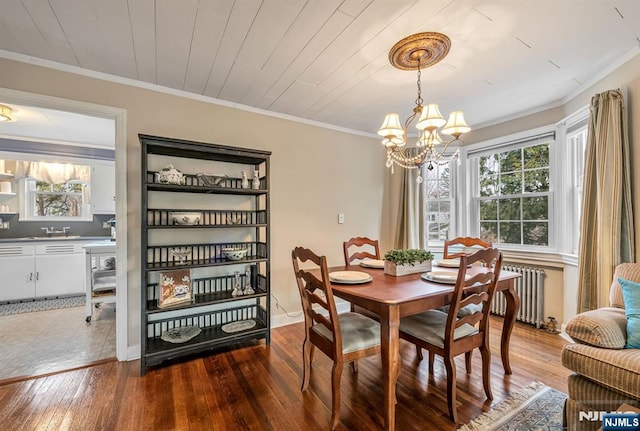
point(417, 52)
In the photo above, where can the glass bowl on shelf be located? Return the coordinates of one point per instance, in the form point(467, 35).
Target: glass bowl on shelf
point(181, 253)
point(211, 180)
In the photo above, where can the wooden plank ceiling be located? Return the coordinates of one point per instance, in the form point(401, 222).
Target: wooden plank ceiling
point(326, 60)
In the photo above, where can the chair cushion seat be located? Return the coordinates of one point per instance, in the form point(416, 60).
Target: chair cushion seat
point(430, 327)
point(358, 332)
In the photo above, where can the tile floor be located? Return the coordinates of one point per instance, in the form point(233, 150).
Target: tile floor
point(54, 340)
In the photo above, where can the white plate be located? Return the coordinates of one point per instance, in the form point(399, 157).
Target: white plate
point(349, 277)
point(241, 325)
point(447, 277)
point(372, 263)
point(449, 263)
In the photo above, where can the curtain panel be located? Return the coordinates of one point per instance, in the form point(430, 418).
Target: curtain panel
point(606, 231)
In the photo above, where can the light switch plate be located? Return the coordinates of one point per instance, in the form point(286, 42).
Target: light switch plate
point(340, 218)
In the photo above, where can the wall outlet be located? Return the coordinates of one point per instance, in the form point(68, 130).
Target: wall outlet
point(340, 218)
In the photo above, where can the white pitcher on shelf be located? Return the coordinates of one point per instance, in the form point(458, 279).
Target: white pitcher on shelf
point(256, 180)
point(245, 181)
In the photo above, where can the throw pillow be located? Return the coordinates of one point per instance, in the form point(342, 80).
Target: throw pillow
point(604, 327)
point(631, 295)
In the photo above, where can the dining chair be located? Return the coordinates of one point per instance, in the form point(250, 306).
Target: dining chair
point(447, 335)
point(463, 245)
point(344, 337)
point(363, 248)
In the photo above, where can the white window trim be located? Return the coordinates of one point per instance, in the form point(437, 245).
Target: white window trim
point(505, 143)
point(26, 209)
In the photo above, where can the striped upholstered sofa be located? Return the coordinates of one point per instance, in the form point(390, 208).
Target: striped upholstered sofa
point(606, 375)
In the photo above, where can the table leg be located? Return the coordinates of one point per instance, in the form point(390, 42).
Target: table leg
point(390, 341)
point(513, 304)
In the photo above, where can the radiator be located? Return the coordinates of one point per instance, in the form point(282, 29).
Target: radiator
point(530, 288)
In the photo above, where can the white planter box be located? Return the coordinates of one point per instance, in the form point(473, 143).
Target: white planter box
point(391, 268)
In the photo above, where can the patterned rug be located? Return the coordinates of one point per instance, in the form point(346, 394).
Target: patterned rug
point(41, 305)
point(535, 408)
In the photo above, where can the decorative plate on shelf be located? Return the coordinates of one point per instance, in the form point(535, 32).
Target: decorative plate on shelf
point(241, 325)
point(349, 277)
point(181, 334)
point(446, 277)
point(372, 263)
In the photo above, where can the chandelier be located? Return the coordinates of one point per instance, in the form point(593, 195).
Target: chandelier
point(417, 52)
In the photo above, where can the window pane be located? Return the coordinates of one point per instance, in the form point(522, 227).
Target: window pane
point(509, 209)
point(536, 181)
point(489, 165)
point(489, 231)
point(511, 184)
point(489, 185)
point(535, 208)
point(58, 205)
point(536, 156)
point(489, 210)
point(510, 233)
point(433, 206)
point(511, 161)
point(536, 233)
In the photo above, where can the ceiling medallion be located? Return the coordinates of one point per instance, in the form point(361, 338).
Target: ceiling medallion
point(417, 52)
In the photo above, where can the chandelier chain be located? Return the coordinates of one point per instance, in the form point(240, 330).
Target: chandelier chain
point(419, 99)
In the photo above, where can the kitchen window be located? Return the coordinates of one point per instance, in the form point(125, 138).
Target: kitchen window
point(53, 191)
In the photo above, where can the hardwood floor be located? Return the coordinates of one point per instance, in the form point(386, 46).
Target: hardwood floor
point(258, 388)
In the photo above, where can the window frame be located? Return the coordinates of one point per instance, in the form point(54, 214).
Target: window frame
point(452, 199)
point(472, 153)
point(27, 209)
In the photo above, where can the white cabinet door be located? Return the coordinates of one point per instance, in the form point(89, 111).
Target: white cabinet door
point(60, 274)
point(17, 278)
point(103, 189)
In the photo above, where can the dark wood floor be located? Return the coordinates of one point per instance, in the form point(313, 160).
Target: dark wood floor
point(258, 388)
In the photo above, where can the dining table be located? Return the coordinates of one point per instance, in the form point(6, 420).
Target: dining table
point(390, 298)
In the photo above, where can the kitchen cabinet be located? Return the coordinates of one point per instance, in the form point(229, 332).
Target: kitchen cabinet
point(17, 273)
point(103, 189)
point(41, 270)
point(191, 223)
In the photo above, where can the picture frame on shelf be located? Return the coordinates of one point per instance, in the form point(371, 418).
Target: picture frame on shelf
point(175, 288)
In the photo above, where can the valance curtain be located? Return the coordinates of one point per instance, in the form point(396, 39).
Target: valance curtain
point(606, 231)
point(56, 173)
point(410, 228)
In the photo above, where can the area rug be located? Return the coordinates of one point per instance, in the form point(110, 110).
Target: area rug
point(535, 408)
point(41, 305)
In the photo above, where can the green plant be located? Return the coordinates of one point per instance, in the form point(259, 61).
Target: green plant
point(408, 256)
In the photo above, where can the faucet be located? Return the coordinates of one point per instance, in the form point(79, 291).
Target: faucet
point(52, 230)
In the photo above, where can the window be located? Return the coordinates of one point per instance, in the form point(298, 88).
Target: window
point(513, 195)
point(53, 191)
point(439, 202)
point(577, 142)
point(56, 200)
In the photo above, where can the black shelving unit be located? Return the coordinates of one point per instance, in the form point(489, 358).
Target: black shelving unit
point(243, 223)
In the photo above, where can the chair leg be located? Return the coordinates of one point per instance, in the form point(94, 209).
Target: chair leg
point(354, 366)
point(419, 353)
point(307, 357)
point(486, 370)
point(432, 357)
point(467, 361)
point(451, 388)
point(336, 373)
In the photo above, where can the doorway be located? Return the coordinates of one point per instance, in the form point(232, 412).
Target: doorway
point(117, 117)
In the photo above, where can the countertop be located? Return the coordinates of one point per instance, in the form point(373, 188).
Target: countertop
point(56, 238)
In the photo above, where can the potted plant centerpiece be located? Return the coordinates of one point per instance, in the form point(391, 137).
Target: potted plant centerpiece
point(407, 261)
